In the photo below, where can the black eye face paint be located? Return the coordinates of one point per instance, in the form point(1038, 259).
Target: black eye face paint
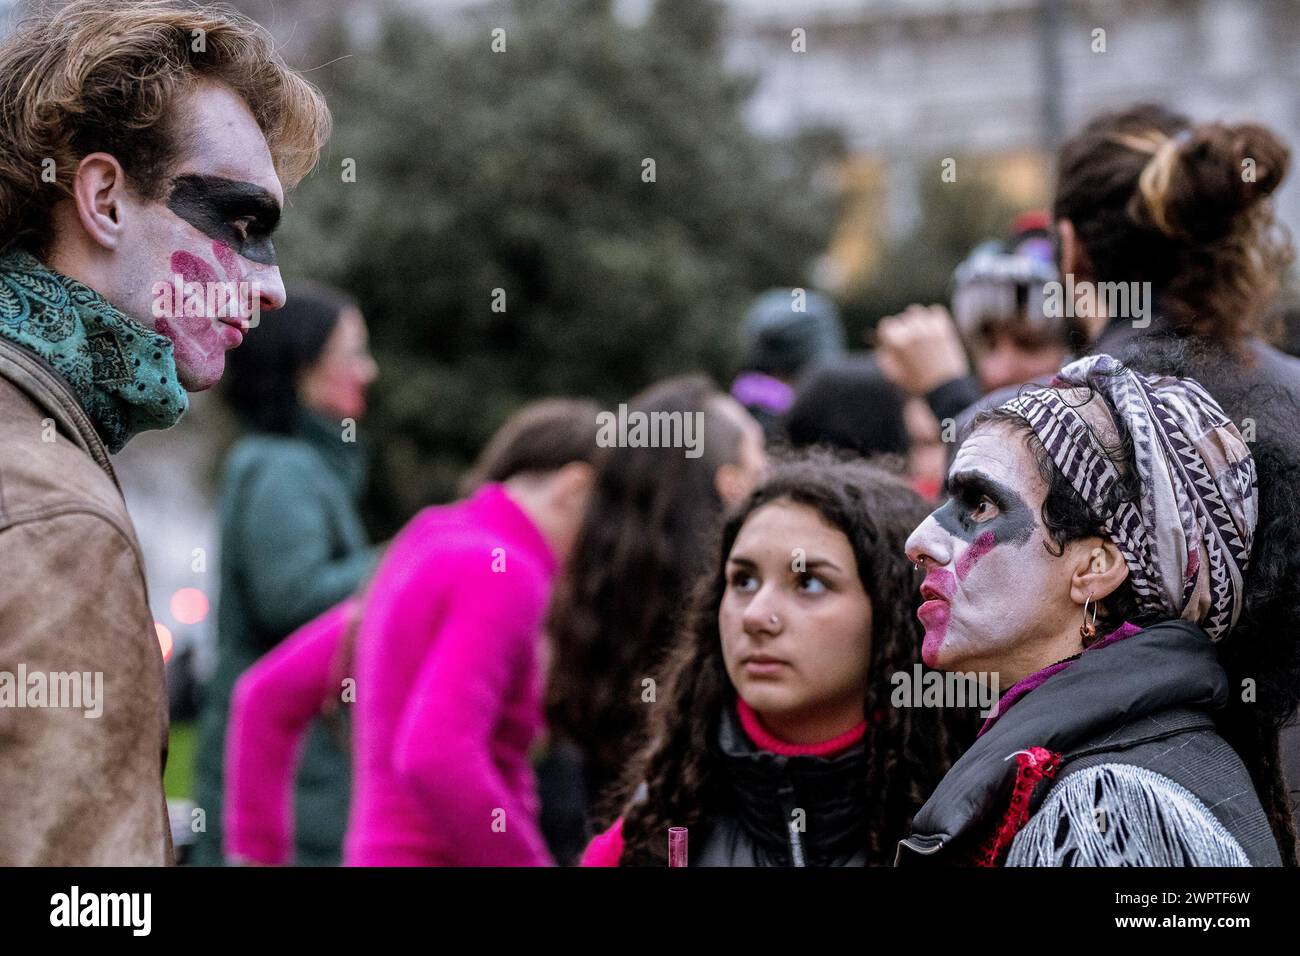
point(1013, 524)
point(213, 206)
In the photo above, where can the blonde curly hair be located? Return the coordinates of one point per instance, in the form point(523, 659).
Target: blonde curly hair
point(102, 75)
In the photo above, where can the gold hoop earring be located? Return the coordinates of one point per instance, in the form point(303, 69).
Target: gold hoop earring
point(1088, 629)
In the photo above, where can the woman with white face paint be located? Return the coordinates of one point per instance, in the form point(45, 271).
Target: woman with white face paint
point(1091, 555)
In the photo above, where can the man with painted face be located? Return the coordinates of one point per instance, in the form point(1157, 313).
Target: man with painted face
point(1092, 555)
point(144, 152)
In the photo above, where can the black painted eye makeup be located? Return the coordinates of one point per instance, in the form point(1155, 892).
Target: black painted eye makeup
point(1014, 521)
point(975, 492)
point(239, 214)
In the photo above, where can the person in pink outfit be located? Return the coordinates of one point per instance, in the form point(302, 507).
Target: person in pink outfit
point(437, 667)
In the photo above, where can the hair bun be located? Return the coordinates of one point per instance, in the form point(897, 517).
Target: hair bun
point(1220, 173)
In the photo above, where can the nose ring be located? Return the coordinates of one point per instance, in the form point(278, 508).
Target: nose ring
point(774, 620)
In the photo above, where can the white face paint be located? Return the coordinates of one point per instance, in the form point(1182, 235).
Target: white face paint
point(162, 249)
point(995, 594)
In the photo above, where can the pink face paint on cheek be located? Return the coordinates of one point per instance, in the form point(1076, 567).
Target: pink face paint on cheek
point(199, 341)
point(934, 615)
point(191, 268)
point(982, 546)
point(188, 352)
point(226, 256)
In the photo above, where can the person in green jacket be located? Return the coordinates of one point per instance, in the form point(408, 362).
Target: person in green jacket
point(292, 543)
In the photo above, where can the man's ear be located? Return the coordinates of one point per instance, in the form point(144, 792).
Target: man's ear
point(1098, 571)
point(98, 190)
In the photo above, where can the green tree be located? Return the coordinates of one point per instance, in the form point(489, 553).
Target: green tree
point(953, 218)
point(526, 171)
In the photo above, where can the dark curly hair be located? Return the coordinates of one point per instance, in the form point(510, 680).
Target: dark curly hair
point(621, 597)
point(911, 748)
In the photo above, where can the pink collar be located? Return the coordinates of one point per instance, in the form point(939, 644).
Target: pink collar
point(763, 738)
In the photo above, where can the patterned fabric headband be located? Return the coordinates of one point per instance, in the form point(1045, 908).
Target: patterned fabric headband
point(1187, 537)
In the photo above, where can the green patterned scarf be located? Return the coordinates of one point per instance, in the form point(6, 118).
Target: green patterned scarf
point(123, 373)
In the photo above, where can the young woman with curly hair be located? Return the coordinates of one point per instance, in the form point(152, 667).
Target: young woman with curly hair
point(774, 741)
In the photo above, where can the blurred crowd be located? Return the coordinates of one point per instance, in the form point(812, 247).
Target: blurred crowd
point(547, 670)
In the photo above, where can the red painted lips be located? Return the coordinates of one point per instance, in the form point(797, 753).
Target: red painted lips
point(938, 588)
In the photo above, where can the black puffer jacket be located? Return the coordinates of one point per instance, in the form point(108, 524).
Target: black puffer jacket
point(1144, 778)
point(786, 811)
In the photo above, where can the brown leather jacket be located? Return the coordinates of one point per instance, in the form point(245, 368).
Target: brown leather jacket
point(75, 790)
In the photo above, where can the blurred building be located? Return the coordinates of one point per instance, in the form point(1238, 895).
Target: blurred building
point(997, 83)
point(913, 81)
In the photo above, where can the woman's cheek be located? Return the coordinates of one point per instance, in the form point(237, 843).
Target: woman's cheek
point(728, 628)
point(356, 398)
point(844, 657)
point(348, 389)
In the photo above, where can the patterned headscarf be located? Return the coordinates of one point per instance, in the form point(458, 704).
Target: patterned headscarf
point(1187, 537)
